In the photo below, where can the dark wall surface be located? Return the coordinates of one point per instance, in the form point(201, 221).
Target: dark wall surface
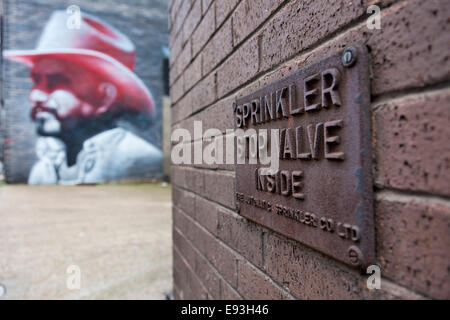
point(143, 22)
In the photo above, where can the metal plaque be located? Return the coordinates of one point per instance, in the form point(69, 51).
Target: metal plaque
point(321, 195)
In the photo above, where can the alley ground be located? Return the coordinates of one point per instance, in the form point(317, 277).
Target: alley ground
point(119, 237)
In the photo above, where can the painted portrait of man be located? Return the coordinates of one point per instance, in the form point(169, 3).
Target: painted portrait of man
point(83, 83)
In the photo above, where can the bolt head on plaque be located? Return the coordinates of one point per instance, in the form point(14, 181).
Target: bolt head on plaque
point(349, 57)
point(355, 256)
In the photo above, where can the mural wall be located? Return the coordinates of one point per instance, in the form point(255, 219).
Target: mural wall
point(92, 117)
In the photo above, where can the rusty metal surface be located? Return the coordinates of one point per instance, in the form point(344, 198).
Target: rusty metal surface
point(333, 207)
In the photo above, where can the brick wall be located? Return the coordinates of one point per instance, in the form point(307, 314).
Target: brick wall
point(1, 94)
point(221, 50)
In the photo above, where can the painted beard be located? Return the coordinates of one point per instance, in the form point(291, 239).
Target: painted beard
point(47, 124)
point(53, 116)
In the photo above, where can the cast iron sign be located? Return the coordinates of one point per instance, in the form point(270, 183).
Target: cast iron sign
point(321, 194)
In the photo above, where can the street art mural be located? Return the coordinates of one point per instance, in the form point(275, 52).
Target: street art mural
point(83, 83)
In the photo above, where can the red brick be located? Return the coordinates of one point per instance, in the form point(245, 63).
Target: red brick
point(187, 226)
point(280, 72)
point(176, 45)
point(408, 52)
point(227, 166)
point(209, 277)
point(218, 48)
point(173, 23)
point(224, 260)
point(176, 293)
point(184, 200)
point(215, 163)
point(187, 124)
point(204, 164)
point(169, 25)
point(172, 4)
point(311, 275)
point(220, 162)
point(416, 57)
point(175, 6)
point(218, 116)
point(228, 293)
point(192, 20)
point(221, 257)
point(182, 246)
point(210, 118)
point(398, 62)
point(202, 268)
point(181, 63)
point(193, 73)
point(195, 180)
point(180, 221)
point(181, 16)
point(219, 187)
point(178, 278)
point(413, 238)
point(173, 75)
point(219, 135)
point(183, 108)
point(185, 279)
point(206, 4)
point(206, 117)
point(206, 214)
point(412, 148)
point(303, 23)
point(177, 90)
point(177, 176)
point(242, 235)
point(180, 274)
point(254, 285)
point(250, 14)
point(223, 9)
point(204, 93)
point(239, 68)
point(204, 31)
point(173, 9)
point(392, 291)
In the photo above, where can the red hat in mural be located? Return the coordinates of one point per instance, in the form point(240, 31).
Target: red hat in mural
point(97, 46)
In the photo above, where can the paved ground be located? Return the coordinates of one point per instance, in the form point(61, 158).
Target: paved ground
point(119, 237)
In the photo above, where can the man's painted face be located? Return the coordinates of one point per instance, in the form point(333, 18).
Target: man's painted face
point(62, 95)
